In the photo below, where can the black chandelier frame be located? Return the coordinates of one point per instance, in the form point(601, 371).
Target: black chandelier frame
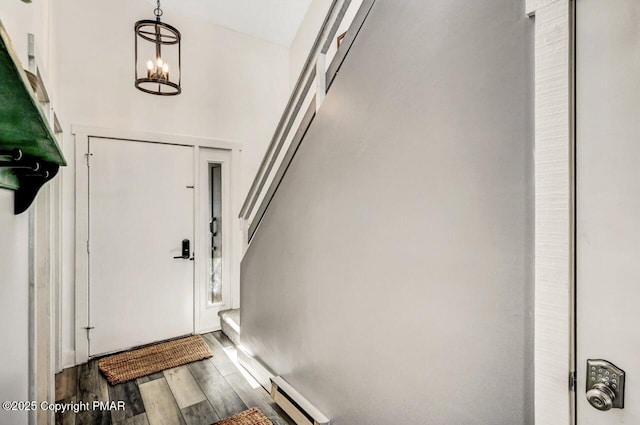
point(160, 34)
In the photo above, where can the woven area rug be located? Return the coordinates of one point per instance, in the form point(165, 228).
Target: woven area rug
point(144, 361)
point(248, 417)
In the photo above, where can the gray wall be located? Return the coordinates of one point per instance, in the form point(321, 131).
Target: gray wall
point(391, 280)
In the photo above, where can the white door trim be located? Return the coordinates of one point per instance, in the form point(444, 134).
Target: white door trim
point(81, 135)
point(554, 210)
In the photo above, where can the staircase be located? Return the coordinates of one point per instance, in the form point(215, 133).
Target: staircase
point(338, 32)
point(230, 323)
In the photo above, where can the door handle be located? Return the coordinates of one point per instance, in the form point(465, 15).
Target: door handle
point(605, 385)
point(213, 226)
point(186, 250)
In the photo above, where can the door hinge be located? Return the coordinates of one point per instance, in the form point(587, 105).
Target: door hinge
point(572, 381)
point(88, 329)
point(88, 247)
point(87, 156)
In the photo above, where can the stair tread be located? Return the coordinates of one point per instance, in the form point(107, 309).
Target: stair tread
point(230, 315)
point(230, 322)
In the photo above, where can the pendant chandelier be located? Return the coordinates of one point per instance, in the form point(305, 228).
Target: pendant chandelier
point(157, 56)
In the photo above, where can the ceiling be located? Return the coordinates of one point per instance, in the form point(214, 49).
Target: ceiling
point(276, 21)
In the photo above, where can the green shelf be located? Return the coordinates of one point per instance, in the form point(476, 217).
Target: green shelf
point(23, 126)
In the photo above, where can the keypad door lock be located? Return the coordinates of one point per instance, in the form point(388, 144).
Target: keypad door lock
point(605, 385)
point(186, 250)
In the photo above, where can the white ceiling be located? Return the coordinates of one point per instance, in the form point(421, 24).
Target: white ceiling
point(276, 21)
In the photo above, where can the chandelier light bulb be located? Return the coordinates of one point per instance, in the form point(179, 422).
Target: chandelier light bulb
point(165, 68)
point(159, 62)
point(150, 66)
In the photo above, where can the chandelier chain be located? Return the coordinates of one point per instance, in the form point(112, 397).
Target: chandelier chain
point(157, 11)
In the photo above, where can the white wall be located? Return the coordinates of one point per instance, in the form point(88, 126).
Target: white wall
point(234, 88)
point(14, 307)
point(391, 278)
point(19, 19)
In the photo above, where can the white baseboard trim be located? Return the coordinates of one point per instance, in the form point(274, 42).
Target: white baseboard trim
point(259, 371)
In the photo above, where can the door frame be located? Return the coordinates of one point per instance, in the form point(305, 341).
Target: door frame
point(554, 182)
point(81, 136)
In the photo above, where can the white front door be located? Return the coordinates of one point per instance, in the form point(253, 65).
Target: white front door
point(141, 209)
point(608, 205)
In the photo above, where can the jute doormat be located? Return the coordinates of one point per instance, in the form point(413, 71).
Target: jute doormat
point(144, 361)
point(248, 417)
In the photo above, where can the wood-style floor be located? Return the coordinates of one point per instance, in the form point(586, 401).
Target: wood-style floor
point(199, 393)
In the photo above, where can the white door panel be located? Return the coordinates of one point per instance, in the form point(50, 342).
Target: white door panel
point(608, 198)
point(140, 210)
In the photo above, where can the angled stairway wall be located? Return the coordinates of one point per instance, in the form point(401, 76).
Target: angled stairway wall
point(391, 279)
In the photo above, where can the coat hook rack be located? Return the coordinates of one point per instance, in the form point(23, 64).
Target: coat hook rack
point(29, 152)
point(32, 175)
point(42, 175)
point(21, 165)
point(14, 154)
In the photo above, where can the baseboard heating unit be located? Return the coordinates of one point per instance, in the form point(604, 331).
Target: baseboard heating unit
point(296, 406)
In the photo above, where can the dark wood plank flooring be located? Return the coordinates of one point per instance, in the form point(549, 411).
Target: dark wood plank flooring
point(200, 393)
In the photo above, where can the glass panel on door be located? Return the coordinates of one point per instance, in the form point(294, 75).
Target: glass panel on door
point(215, 236)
